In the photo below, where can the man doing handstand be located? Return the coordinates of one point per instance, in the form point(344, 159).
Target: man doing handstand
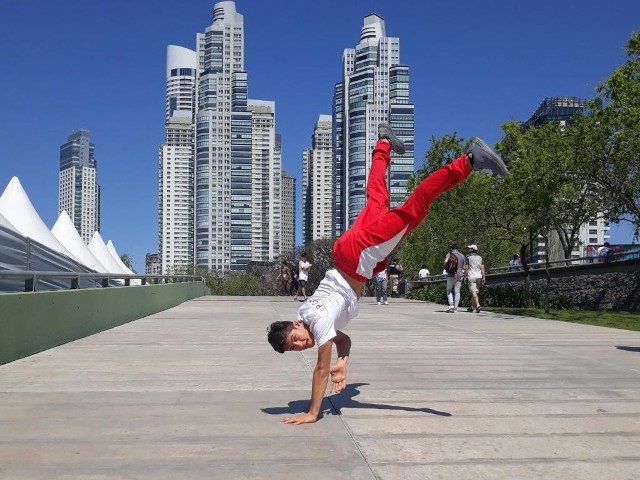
point(359, 254)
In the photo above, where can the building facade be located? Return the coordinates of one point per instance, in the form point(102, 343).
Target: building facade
point(555, 109)
point(175, 163)
point(288, 222)
point(266, 177)
point(317, 183)
point(374, 89)
point(78, 188)
point(220, 152)
point(225, 224)
point(152, 264)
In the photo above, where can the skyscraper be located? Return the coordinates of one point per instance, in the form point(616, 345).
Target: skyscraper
point(78, 188)
point(220, 166)
point(266, 176)
point(175, 163)
point(317, 183)
point(374, 89)
point(233, 223)
point(288, 222)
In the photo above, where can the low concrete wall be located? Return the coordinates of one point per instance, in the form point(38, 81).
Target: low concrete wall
point(32, 322)
point(598, 286)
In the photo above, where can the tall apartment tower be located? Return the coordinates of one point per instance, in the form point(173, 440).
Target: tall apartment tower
point(288, 224)
point(596, 231)
point(175, 163)
point(317, 183)
point(266, 177)
point(78, 189)
point(374, 89)
point(226, 219)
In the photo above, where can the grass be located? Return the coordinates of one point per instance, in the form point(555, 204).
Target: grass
point(624, 321)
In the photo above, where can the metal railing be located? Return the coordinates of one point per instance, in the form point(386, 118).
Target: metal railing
point(100, 280)
point(567, 262)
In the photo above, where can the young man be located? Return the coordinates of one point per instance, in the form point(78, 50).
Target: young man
point(303, 276)
point(474, 275)
point(358, 255)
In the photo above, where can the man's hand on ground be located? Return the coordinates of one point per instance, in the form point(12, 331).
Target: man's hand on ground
point(301, 418)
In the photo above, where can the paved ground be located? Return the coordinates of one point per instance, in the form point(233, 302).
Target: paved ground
point(196, 393)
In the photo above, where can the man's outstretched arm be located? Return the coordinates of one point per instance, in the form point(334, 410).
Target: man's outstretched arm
point(318, 387)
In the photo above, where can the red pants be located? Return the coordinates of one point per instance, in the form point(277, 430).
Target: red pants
point(362, 250)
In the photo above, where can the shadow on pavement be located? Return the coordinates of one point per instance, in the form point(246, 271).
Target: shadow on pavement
point(345, 399)
point(628, 349)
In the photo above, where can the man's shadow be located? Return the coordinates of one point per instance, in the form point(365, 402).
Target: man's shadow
point(345, 399)
point(628, 349)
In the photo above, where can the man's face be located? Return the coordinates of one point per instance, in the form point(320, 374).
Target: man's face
point(299, 338)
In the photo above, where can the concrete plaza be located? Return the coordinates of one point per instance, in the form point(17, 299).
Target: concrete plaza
point(196, 392)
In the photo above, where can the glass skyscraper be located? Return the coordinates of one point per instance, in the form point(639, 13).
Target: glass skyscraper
point(78, 189)
point(374, 89)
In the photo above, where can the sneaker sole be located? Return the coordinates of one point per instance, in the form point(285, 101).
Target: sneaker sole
point(396, 144)
point(497, 160)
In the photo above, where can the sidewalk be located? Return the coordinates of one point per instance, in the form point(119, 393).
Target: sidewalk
point(196, 392)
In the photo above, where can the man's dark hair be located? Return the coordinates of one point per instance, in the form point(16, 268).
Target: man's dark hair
point(284, 263)
point(276, 334)
point(304, 255)
point(453, 246)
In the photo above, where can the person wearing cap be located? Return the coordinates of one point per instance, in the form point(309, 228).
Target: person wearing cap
point(359, 254)
point(474, 275)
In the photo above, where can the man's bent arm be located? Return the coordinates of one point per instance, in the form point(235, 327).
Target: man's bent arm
point(343, 346)
point(339, 370)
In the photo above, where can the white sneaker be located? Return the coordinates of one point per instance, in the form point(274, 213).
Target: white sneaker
point(386, 302)
point(449, 309)
point(378, 303)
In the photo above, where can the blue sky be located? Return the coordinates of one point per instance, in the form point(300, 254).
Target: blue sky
point(100, 65)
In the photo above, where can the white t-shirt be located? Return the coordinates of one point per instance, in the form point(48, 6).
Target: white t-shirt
point(330, 307)
point(381, 276)
point(303, 274)
point(475, 262)
point(423, 273)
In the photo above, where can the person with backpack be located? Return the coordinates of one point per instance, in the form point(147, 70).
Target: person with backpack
point(453, 266)
point(359, 254)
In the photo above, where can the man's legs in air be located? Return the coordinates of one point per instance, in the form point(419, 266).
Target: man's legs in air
point(362, 250)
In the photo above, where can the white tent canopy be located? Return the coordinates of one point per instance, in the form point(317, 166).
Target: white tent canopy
point(99, 250)
point(112, 250)
point(16, 207)
point(68, 236)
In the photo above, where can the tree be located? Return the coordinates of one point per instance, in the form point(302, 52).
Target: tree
point(128, 261)
point(459, 216)
point(610, 134)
